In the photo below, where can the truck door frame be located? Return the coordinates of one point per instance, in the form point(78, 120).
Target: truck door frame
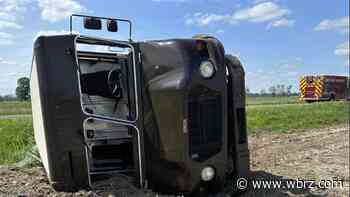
point(137, 123)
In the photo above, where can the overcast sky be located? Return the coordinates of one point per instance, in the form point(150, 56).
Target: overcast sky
point(277, 40)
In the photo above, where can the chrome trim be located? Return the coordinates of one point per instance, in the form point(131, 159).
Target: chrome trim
point(88, 165)
point(121, 123)
point(108, 119)
point(135, 84)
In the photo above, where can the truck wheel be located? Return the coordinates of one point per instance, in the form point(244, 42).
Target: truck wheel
point(332, 97)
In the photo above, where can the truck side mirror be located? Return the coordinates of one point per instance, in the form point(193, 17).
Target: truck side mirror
point(112, 25)
point(92, 23)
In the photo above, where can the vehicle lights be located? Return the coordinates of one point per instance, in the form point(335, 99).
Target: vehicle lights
point(207, 69)
point(208, 173)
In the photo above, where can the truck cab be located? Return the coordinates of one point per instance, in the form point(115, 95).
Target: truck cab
point(166, 115)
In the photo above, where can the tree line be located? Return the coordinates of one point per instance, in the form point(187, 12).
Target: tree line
point(277, 90)
point(22, 91)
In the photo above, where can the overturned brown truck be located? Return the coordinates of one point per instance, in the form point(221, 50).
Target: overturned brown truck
point(168, 114)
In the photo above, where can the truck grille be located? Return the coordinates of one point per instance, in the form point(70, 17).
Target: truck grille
point(205, 127)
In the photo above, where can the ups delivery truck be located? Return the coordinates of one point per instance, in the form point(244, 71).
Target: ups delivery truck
point(324, 88)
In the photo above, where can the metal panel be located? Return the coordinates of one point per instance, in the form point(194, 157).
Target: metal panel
point(204, 127)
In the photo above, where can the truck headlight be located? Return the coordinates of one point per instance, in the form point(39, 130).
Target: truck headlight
point(207, 69)
point(208, 173)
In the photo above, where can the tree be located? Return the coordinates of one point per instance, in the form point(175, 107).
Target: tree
point(289, 90)
point(8, 97)
point(281, 90)
point(22, 90)
point(247, 91)
point(272, 90)
point(262, 92)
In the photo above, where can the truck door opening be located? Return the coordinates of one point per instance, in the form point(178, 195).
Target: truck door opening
point(108, 97)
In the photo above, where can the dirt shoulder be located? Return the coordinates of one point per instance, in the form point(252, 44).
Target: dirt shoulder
point(314, 154)
point(311, 154)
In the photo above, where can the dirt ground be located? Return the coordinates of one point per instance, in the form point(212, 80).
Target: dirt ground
point(313, 154)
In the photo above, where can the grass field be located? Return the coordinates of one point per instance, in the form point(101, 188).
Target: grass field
point(267, 100)
point(281, 118)
point(16, 138)
point(274, 114)
point(15, 108)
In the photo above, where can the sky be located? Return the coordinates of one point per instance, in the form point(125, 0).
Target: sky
point(278, 41)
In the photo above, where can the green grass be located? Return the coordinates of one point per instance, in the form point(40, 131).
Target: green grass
point(16, 138)
point(16, 135)
point(15, 108)
point(269, 100)
point(281, 118)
